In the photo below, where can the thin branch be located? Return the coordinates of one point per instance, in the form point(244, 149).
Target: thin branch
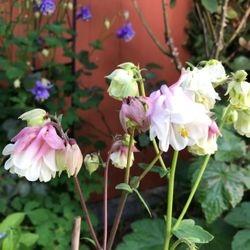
point(172, 49)
point(75, 242)
point(211, 25)
point(103, 118)
point(240, 27)
point(220, 42)
point(149, 31)
point(86, 212)
point(204, 28)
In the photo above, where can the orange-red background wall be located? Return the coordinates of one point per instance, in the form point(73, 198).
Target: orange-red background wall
point(141, 50)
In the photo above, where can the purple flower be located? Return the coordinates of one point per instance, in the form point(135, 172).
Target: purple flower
point(41, 90)
point(47, 7)
point(2, 235)
point(125, 32)
point(84, 13)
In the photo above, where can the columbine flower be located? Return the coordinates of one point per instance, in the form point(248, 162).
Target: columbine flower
point(198, 84)
point(84, 13)
point(91, 162)
point(239, 91)
point(242, 125)
point(207, 145)
point(41, 90)
point(119, 153)
point(3, 235)
point(46, 7)
point(133, 114)
point(122, 84)
point(35, 117)
point(70, 158)
point(32, 153)
point(125, 32)
point(175, 119)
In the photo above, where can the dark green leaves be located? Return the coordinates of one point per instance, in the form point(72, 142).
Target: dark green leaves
point(146, 234)
point(210, 5)
point(83, 57)
point(124, 187)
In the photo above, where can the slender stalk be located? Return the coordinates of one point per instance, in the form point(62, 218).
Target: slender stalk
point(194, 188)
point(178, 242)
point(123, 196)
point(105, 231)
point(75, 242)
point(85, 210)
point(170, 200)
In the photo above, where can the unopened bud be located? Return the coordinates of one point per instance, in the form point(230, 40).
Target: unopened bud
point(17, 83)
point(126, 14)
point(240, 75)
point(91, 162)
point(231, 117)
point(35, 117)
point(45, 52)
point(107, 23)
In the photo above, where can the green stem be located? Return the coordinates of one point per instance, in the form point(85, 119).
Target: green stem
point(194, 188)
point(170, 200)
point(178, 242)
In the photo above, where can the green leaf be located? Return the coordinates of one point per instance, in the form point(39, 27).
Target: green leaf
point(240, 63)
point(150, 66)
point(10, 242)
point(56, 28)
point(241, 240)
point(155, 169)
point(188, 230)
point(232, 13)
point(146, 234)
point(133, 181)
point(39, 216)
point(83, 57)
point(222, 186)
point(12, 221)
point(143, 140)
point(172, 3)
point(231, 147)
point(142, 201)
point(125, 187)
point(210, 5)
point(90, 241)
point(97, 44)
point(240, 216)
point(28, 239)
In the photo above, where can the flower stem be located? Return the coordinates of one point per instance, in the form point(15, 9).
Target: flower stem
point(194, 188)
point(170, 200)
point(123, 196)
point(85, 210)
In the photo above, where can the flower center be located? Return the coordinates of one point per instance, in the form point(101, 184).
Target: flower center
point(184, 132)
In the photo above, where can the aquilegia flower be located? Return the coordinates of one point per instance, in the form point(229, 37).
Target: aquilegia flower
point(46, 7)
point(133, 115)
point(84, 13)
point(119, 152)
point(175, 119)
point(41, 90)
point(92, 162)
point(32, 153)
point(126, 32)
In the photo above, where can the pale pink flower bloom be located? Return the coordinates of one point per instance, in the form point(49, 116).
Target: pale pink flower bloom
point(175, 118)
point(133, 114)
point(32, 153)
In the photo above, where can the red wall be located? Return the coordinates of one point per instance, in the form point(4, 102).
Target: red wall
point(141, 50)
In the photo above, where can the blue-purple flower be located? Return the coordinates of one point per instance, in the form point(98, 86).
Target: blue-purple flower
point(125, 32)
point(46, 7)
point(41, 90)
point(84, 13)
point(2, 235)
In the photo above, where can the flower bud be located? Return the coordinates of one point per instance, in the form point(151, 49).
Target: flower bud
point(126, 15)
point(45, 52)
point(127, 66)
point(133, 115)
point(242, 125)
point(231, 116)
point(119, 152)
point(35, 117)
point(91, 162)
point(122, 84)
point(17, 83)
point(70, 6)
point(107, 23)
point(240, 75)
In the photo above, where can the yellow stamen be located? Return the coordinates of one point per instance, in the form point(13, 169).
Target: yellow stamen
point(184, 132)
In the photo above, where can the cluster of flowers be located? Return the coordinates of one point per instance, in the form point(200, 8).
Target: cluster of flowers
point(180, 115)
point(42, 149)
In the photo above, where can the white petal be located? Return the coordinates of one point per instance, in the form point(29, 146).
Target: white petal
point(45, 174)
point(8, 149)
point(8, 164)
point(33, 173)
point(50, 160)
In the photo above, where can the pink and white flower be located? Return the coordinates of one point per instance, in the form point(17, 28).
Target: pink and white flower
point(32, 153)
point(176, 119)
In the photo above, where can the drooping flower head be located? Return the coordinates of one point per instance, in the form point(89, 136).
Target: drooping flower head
point(45, 7)
point(126, 32)
point(133, 115)
point(123, 83)
point(84, 13)
point(41, 90)
point(242, 124)
point(175, 119)
point(119, 152)
point(92, 162)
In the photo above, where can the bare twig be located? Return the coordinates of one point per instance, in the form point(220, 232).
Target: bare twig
point(75, 242)
point(240, 26)
point(172, 49)
point(211, 25)
point(220, 41)
point(149, 31)
point(204, 28)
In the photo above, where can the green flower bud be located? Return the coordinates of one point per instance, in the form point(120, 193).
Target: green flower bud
point(92, 162)
point(242, 125)
point(240, 75)
point(231, 117)
point(35, 117)
point(17, 83)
